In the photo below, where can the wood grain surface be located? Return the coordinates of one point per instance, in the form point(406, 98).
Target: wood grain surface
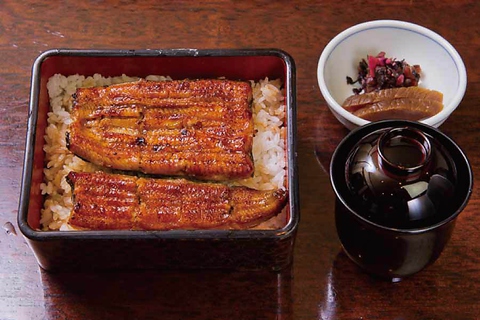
point(322, 283)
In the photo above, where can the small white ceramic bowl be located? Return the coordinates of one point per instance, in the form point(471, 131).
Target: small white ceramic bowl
point(442, 67)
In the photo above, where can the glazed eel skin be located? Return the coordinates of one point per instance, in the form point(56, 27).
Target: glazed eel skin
point(104, 201)
point(198, 128)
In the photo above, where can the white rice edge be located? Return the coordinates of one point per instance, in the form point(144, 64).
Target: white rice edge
point(268, 149)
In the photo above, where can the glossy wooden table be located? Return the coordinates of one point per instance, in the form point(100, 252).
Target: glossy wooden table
point(322, 283)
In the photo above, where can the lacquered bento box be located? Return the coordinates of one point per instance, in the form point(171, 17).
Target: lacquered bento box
point(249, 249)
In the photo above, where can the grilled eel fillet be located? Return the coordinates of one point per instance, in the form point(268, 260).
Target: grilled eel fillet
point(198, 128)
point(103, 201)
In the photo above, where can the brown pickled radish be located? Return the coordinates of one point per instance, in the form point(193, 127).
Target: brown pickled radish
point(408, 103)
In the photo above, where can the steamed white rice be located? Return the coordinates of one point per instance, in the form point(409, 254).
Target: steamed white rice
point(268, 142)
